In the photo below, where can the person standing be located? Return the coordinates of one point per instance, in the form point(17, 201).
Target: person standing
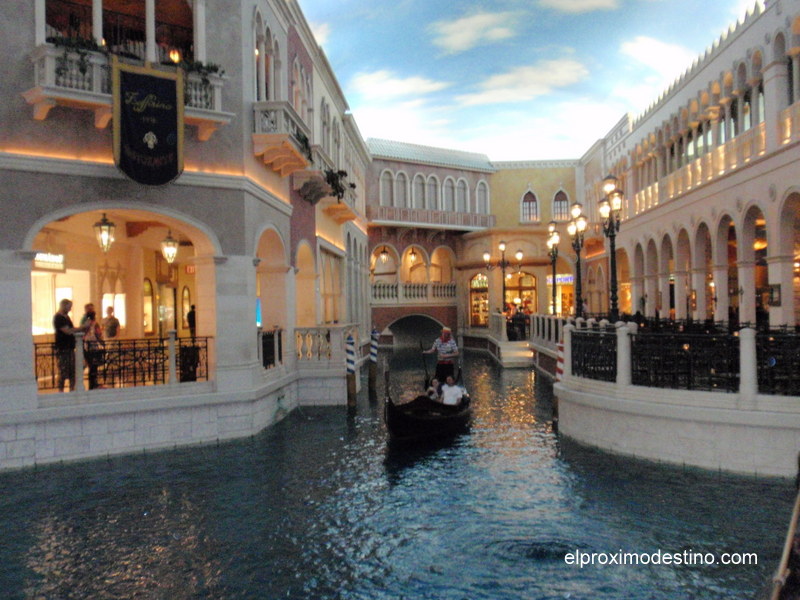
point(110, 324)
point(446, 352)
point(87, 308)
point(93, 348)
point(64, 344)
point(191, 319)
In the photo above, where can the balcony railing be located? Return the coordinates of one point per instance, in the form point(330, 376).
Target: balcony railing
point(594, 354)
point(129, 363)
point(86, 84)
point(413, 293)
point(280, 137)
point(424, 216)
point(721, 160)
point(323, 346)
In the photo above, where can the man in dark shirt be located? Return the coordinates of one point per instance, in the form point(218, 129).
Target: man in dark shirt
point(65, 345)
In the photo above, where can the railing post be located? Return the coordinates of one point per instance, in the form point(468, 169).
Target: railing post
point(372, 383)
point(623, 354)
point(568, 351)
point(748, 370)
point(77, 375)
point(171, 356)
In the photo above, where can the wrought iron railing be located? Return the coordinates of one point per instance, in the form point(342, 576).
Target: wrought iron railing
point(778, 363)
point(594, 354)
point(128, 363)
point(686, 361)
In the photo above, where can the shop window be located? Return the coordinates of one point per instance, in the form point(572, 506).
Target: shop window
point(479, 300)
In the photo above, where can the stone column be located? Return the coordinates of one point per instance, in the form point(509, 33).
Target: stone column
point(747, 300)
point(623, 354)
point(681, 295)
point(748, 372)
point(720, 275)
point(97, 21)
point(781, 273)
point(776, 98)
point(16, 353)
point(699, 287)
point(150, 33)
point(199, 15)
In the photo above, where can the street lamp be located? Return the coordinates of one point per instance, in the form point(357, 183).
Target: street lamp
point(610, 207)
point(503, 264)
point(576, 229)
point(552, 252)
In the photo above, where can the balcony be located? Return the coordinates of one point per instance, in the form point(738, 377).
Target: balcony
point(86, 84)
point(719, 161)
point(392, 294)
point(422, 217)
point(280, 137)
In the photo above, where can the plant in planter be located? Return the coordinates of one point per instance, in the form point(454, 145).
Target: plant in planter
point(202, 69)
point(80, 46)
point(337, 183)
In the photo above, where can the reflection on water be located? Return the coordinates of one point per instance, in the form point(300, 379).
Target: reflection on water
point(321, 507)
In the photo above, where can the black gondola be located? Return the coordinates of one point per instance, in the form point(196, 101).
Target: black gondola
point(423, 418)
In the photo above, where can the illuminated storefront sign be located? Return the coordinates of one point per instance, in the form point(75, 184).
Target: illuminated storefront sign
point(45, 261)
point(561, 279)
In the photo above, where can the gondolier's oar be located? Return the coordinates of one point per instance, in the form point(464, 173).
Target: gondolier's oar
point(425, 365)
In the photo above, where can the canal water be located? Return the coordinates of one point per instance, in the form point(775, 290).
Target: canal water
point(319, 507)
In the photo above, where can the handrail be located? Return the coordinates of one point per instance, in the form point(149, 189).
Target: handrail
point(782, 573)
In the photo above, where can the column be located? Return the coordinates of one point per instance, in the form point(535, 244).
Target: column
point(720, 278)
point(567, 352)
point(97, 21)
point(260, 72)
point(795, 52)
point(199, 14)
point(776, 98)
point(699, 287)
point(150, 30)
point(682, 311)
point(748, 371)
point(39, 16)
point(16, 352)
point(623, 354)
point(781, 273)
point(747, 300)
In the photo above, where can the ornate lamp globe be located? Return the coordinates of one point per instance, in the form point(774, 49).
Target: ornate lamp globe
point(169, 248)
point(104, 231)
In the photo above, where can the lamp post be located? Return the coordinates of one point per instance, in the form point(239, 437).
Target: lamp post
point(552, 252)
point(610, 207)
point(503, 264)
point(576, 228)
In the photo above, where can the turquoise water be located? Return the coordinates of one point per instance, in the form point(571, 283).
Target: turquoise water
point(319, 507)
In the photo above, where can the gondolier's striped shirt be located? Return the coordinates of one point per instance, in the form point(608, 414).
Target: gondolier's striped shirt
point(448, 347)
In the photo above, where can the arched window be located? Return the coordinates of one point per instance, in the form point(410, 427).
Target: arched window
point(325, 126)
point(560, 207)
point(400, 190)
point(449, 195)
point(387, 189)
point(482, 202)
point(462, 204)
point(479, 300)
point(530, 208)
point(432, 195)
point(418, 193)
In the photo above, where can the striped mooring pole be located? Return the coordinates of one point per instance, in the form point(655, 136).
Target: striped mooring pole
point(350, 351)
point(373, 366)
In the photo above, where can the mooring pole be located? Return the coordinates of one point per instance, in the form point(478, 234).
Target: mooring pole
point(373, 367)
point(350, 349)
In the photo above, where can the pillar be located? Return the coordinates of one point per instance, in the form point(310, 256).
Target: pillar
point(776, 98)
point(16, 351)
point(568, 329)
point(97, 21)
point(781, 273)
point(682, 311)
point(623, 354)
point(748, 373)
point(150, 30)
point(698, 277)
point(720, 278)
point(747, 300)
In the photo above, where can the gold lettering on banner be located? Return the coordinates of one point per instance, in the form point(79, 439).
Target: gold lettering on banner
point(150, 101)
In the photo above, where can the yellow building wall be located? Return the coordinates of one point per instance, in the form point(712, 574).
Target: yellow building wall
point(510, 185)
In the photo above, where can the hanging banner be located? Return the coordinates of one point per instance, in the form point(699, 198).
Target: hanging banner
point(148, 123)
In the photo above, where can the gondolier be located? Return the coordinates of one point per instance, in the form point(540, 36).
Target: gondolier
point(446, 353)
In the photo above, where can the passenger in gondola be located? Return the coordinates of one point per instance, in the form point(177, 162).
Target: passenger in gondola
point(446, 352)
point(452, 393)
point(433, 389)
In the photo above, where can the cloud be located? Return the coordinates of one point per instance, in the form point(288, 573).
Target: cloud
point(579, 6)
point(525, 83)
point(411, 121)
point(321, 31)
point(468, 32)
point(384, 84)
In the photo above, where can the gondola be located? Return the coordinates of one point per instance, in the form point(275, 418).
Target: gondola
point(423, 418)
